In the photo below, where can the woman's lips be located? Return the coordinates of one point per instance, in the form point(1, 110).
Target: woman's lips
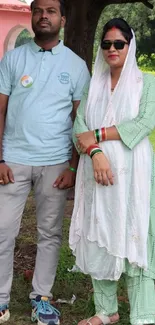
point(112, 56)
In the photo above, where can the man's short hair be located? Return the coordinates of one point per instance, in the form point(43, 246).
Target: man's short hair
point(62, 6)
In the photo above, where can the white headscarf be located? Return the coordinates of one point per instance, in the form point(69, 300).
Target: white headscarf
point(126, 96)
point(114, 218)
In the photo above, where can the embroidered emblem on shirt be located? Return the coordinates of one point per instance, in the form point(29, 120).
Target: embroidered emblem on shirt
point(26, 81)
point(64, 77)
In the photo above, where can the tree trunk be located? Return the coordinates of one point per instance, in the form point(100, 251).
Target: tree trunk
point(82, 19)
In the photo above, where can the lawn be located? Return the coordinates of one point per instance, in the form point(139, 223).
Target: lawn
point(66, 283)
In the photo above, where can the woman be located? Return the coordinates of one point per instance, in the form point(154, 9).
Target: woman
point(113, 224)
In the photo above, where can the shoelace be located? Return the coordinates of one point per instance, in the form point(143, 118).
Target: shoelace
point(46, 307)
point(3, 307)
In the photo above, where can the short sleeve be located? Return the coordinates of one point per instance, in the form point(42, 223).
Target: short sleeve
point(83, 81)
point(132, 132)
point(5, 76)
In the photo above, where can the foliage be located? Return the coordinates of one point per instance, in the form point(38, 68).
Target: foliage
point(147, 63)
point(23, 38)
point(140, 18)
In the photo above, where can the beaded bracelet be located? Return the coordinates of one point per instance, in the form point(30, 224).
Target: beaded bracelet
point(72, 169)
point(93, 149)
point(100, 135)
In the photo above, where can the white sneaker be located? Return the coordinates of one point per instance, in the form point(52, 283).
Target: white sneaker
point(4, 314)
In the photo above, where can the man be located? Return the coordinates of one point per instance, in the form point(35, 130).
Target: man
point(41, 84)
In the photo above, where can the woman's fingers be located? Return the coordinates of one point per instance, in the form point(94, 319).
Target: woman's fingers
point(99, 178)
point(102, 171)
point(110, 176)
point(86, 139)
point(104, 177)
point(96, 176)
point(81, 147)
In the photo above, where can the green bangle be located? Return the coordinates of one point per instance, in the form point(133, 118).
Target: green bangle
point(97, 135)
point(94, 152)
point(72, 169)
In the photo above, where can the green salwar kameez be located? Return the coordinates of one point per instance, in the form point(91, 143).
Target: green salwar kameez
point(140, 283)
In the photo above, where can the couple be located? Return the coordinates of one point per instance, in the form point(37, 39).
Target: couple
point(37, 98)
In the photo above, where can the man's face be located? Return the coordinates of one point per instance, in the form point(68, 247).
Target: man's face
point(46, 19)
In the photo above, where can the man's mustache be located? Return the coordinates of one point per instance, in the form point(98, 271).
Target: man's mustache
point(44, 21)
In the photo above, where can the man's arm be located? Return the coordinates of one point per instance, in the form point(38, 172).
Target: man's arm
point(3, 110)
point(75, 157)
point(67, 178)
point(6, 175)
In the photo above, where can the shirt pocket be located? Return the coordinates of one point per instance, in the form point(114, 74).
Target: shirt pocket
point(61, 85)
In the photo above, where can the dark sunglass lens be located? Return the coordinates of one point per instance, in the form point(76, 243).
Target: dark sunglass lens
point(119, 45)
point(106, 45)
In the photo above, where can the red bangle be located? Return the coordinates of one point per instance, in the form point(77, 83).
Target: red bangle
point(103, 134)
point(89, 149)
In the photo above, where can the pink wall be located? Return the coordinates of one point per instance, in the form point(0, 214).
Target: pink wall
point(11, 24)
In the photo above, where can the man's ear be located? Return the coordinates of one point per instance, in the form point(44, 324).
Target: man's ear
point(63, 21)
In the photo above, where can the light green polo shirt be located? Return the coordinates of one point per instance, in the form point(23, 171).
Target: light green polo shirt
point(41, 87)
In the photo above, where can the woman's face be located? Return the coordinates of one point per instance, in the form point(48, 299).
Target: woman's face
point(115, 57)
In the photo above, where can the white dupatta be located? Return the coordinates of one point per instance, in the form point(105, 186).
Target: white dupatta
point(111, 223)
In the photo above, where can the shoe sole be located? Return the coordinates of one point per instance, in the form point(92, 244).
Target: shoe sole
point(34, 320)
point(40, 323)
point(5, 317)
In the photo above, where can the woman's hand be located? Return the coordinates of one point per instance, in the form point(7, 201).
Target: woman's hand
point(102, 171)
point(85, 140)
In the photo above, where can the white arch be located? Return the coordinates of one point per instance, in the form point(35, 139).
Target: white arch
point(11, 37)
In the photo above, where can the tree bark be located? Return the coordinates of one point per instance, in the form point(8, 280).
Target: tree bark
point(82, 19)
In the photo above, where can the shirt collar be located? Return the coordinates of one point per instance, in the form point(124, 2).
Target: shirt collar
point(55, 50)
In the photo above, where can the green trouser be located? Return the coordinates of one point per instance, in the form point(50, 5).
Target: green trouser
point(141, 294)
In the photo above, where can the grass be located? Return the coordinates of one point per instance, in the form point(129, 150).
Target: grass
point(66, 283)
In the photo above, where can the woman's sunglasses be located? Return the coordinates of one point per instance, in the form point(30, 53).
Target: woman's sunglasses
point(118, 44)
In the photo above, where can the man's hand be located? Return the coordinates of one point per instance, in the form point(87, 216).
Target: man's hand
point(85, 140)
point(6, 175)
point(102, 170)
point(65, 180)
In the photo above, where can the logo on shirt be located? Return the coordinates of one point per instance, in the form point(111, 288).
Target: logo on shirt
point(64, 77)
point(26, 81)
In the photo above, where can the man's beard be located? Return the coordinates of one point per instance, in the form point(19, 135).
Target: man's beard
point(45, 35)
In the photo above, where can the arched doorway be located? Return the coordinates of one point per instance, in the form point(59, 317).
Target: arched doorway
point(13, 35)
point(15, 16)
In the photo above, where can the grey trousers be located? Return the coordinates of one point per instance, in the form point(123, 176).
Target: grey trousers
point(50, 203)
